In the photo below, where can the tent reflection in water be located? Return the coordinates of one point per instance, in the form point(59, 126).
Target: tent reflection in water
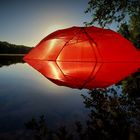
point(84, 57)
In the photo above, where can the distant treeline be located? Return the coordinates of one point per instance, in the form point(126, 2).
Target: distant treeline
point(7, 48)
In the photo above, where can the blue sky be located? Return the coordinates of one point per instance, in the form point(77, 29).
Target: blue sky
point(28, 21)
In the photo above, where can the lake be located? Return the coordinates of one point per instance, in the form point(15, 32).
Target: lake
point(25, 93)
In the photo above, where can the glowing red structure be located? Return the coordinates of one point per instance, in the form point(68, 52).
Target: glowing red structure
point(84, 57)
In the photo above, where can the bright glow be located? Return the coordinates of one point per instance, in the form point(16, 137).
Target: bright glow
point(52, 43)
point(74, 68)
point(55, 27)
point(54, 71)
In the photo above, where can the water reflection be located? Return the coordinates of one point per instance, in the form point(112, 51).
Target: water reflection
point(84, 57)
point(111, 116)
point(25, 93)
point(78, 74)
point(10, 59)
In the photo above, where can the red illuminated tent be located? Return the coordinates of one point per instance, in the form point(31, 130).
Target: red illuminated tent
point(84, 57)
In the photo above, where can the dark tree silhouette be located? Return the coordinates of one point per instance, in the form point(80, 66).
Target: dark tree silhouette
point(7, 48)
point(105, 12)
point(112, 116)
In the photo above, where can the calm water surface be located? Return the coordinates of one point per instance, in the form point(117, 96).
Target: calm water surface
point(25, 93)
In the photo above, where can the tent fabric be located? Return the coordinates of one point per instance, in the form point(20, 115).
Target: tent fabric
point(84, 57)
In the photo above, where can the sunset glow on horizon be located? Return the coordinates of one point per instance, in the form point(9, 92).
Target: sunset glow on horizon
point(28, 22)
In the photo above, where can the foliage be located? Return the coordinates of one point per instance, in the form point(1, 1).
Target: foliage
point(131, 86)
point(105, 12)
point(42, 132)
point(39, 127)
point(112, 116)
point(131, 30)
point(125, 14)
point(7, 48)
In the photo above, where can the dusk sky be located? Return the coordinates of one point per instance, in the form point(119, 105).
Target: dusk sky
point(28, 21)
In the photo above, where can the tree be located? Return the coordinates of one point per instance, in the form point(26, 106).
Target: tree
point(125, 14)
point(105, 12)
point(131, 30)
point(7, 48)
point(111, 116)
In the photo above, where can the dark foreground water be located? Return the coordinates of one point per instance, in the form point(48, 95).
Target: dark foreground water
point(25, 93)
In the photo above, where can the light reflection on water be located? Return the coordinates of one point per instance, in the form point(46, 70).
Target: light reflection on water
point(25, 93)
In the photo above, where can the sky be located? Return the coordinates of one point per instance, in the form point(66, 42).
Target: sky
point(26, 22)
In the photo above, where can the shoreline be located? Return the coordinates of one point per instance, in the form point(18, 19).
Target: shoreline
point(12, 54)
